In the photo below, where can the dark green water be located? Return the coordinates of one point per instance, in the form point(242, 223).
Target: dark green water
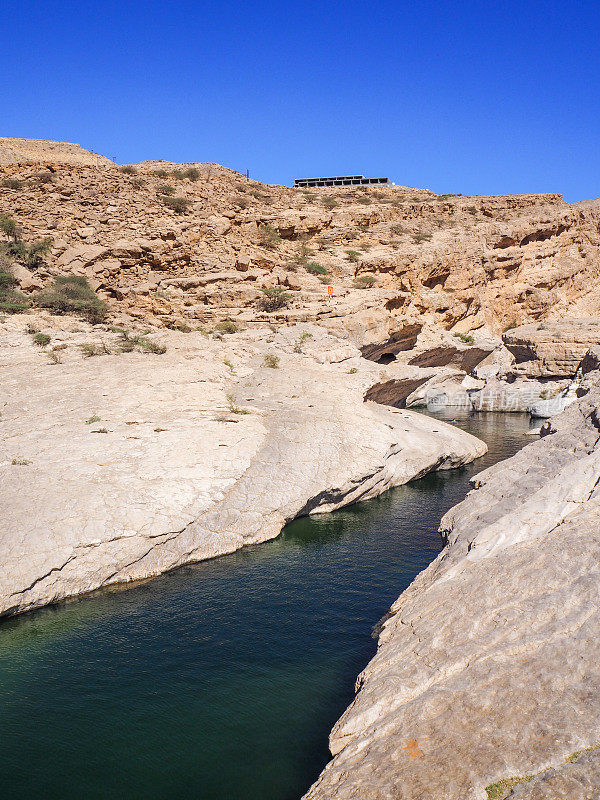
point(222, 680)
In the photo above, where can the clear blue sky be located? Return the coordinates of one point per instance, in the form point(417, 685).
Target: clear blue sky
point(472, 97)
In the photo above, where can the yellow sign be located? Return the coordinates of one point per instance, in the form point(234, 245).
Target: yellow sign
point(330, 290)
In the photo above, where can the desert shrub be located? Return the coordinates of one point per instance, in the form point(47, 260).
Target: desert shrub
point(226, 326)
point(179, 325)
point(12, 183)
point(138, 183)
point(421, 237)
point(352, 371)
point(11, 300)
point(352, 255)
point(366, 201)
point(364, 282)
point(274, 298)
point(128, 169)
point(316, 269)
point(44, 177)
point(329, 202)
point(268, 237)
point(72, 294)
point(177, 204)
point(55, 355)
point(301, 256)
point(90, 349)
point(149, 346)
point(272, 361)
point(178, 174)
point(365, 247)
point(9, 228)
point(398, 230)
point(235, 409)
point(161, 173)
point(128, 343)
point(300, 341)
point(36, 251)
point(41, 339)
point(165, 189)
point(192, 173)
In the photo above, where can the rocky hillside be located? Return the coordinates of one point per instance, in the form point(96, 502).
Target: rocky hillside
point(191, 244)
point(41, 151)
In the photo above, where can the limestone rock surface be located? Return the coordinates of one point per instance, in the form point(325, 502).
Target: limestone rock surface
point(116, 466)
point(551, 349)
point(488, 671)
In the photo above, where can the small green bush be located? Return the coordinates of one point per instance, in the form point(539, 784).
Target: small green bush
point(235, 409)
point(465, 337)
point(226, 326)
point(12, 183)
point(36, 251)
point(329, 202)
point(352, 255)
point(72, 294)
point(398, 230)
point(12, 301)
point(90, 349)
point(128, 343)
point(421, 237)
point(177, 204)
point(128, 169)
point(192, 173)
point(300, 341)
point(161, 173)
point(41, 339)
point(268, 237)
point(178, 174)
point(275, 298)
point(9, 228)
point(138, 183)
point(316, 269)
point(364, 282)
point(166, 189)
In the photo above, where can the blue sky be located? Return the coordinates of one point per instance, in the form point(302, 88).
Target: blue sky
point(471, 97)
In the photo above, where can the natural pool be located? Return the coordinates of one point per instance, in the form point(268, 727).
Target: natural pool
point(219, 681)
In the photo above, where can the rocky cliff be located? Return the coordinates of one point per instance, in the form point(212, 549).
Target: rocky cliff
point(195, 243)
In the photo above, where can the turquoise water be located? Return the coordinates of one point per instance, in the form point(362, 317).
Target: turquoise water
point(219, 681)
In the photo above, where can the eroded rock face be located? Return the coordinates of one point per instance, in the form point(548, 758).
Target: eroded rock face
point(551, 349)
point(487, 668)
point(122, 465)
point(399, 259)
